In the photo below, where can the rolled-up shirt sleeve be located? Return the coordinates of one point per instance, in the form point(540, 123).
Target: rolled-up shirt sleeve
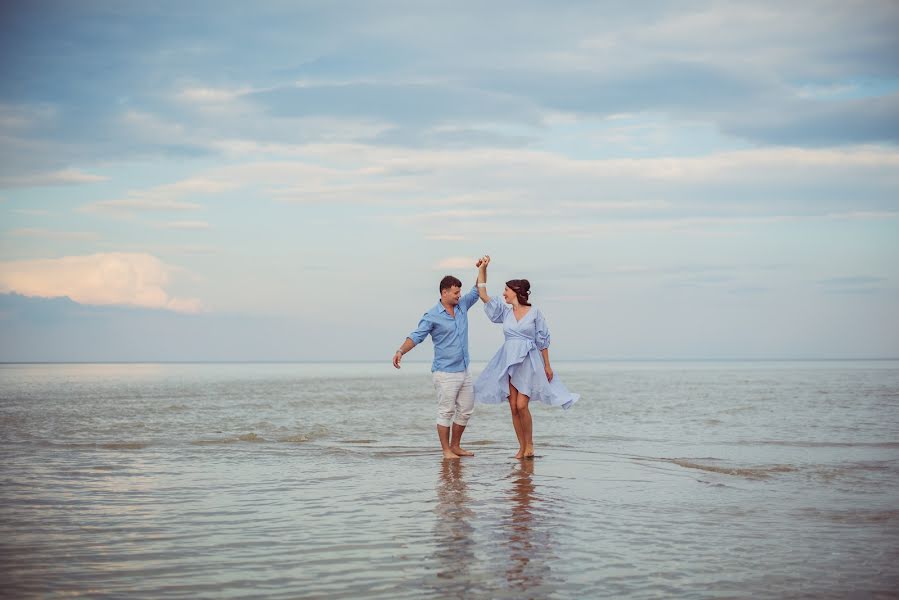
point(422, 331)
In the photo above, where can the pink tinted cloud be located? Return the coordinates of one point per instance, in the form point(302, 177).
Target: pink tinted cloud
point(110, 278)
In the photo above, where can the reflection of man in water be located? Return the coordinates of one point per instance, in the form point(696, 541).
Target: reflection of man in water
point(452, 532)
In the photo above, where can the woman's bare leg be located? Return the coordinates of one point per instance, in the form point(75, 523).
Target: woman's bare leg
point(527, 425)
point(516, 420)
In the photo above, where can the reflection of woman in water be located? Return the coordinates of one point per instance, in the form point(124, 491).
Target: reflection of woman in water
point(521, 546)
point(520, 370)
point(454, 552)
point(527, 529)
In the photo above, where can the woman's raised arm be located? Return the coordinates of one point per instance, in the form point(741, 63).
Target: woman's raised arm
point(482, 278)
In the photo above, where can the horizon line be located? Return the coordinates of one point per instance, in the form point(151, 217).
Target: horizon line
point(372, 361)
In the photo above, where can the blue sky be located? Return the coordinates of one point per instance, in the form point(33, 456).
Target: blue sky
point(290, 180)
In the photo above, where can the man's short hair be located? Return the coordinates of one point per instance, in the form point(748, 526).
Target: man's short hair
point(448, 282)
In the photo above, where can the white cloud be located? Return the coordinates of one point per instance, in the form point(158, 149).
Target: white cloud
point(530, 192)
point(443, 237)
point(163, 197)
point(464, 213)
point(31, 212)
point(194, 185)
point(443, 216)
point(572, 298)
point(205, 95)
point(52, 178)
point(150, 128)
point(863, 215)
point(188, 225)
point(752, 35)
point(487, 178)
point(333, 192)
point(455, 262)
point(110, 278)
point(499, 165)
point(53, 235)
point(17, 117)
point(615, 205)
point(137, 204)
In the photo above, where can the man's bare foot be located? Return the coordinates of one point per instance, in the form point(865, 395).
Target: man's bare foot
point(520, 454)
point(458, 450)
point(529, 452)
point(450, 455)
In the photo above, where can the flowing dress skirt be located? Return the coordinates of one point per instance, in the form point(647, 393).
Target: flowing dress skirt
point(519, 361)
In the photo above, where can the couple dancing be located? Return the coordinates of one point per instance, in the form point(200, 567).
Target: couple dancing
point(519, 372)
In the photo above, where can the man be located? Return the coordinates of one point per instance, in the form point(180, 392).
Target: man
point(447, 324)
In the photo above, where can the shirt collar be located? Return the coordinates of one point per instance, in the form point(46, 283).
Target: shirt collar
point(441, 308)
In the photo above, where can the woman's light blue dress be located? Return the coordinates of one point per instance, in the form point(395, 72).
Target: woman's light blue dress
point(520, 361)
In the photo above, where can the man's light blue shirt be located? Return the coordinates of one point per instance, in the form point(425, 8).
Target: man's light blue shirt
point(449, 334)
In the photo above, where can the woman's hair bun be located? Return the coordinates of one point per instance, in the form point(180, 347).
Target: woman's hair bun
point(522, 288)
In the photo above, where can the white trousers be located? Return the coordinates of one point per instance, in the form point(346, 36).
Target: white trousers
point(455, 397)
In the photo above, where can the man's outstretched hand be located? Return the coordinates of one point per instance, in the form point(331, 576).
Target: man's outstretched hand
point(397, 357)
point(483, 262)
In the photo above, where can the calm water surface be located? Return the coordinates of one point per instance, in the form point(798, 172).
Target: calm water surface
point(688, 480)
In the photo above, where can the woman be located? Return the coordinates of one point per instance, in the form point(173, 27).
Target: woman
point(520, 370)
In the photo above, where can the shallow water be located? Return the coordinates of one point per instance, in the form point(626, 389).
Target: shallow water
point(323, 480)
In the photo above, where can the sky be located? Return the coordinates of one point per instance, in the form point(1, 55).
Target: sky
point(291, 180)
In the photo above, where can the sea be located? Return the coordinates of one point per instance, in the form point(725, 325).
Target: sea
point(325, 480)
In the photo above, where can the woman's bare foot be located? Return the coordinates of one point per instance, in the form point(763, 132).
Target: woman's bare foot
point(450, 455)
point(459, 451)
point(529, 452)
point(520, 453)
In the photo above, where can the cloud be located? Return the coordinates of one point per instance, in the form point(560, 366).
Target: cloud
point(101, 279)
point(16, 117)
point(151, 128)
point(194, 225)
point(31, 212)
point(864, 215)
point(511, 165)
point(209, 95)
point(748, 290)
point(455, 214)
point(455, 262)
point(54, 178)
point(163, 197)
point(53, 235)
point(129, 205)
point(196, 250)
point(59, 330)
point(854, 284)
point(306, 73)
point(454, 137)
point(444, 237)
point(814, 123)
point(413, 104)
point(524, 191)
point(852, 280)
